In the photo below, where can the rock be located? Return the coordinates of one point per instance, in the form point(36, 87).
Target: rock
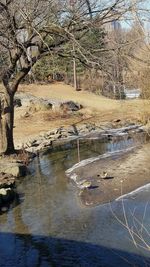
point(33, 103)
point(82, 129)
point(51, 132)
point(6, 195)
point(6, 181)
point(4, 209)
point(117, 120)
point(39, 104)
point(28, 144)
point(17, 102)
point(3, 192)
point(45, 140)
point(35, 142)
point(45, 144)
point(14, 169)
point(71, 106)
point(32, 149)
point(72, 130)
point(26, 115)
point(90, 127)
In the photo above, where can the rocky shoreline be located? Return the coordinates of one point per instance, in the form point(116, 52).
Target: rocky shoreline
point(17, 166)
point(62, 135)
point(11, 168)
point(7, 192)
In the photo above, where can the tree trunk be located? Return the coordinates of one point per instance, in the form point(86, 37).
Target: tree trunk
point(6, 123)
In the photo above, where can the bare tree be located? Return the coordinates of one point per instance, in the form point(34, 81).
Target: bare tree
point(29, 30)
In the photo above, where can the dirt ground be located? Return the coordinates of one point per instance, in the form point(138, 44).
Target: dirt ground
point(96, 109)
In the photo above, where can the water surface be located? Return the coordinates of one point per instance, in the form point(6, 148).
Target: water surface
point(49, 227)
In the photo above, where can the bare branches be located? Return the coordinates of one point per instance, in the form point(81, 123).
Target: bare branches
point(43, 27)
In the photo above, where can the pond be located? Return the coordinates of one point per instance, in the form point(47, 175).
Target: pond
point(48, 226)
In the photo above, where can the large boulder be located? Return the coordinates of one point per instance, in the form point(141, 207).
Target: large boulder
point(70, 106)
point(6, 180)
point(32, 103)
point(7, 195)
point(39, 104)
point(14, 169)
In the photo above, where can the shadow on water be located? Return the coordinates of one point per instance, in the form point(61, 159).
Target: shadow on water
point(21, 250)
point(17, 200)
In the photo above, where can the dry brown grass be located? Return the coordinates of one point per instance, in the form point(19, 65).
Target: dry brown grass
point(66, 92)
point(95, 103)
point(23, 156)
point(59, 114)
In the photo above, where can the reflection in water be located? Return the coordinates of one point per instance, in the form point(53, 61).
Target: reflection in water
point(50, 228)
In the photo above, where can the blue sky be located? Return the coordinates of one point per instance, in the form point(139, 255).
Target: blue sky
point(143, 14)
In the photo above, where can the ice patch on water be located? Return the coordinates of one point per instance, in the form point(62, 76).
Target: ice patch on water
point(138, 190)
point(93, 159)
point(74, 177)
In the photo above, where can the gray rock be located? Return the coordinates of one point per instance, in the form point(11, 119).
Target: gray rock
point(36, 142)
point(45, 140)
point(6, 196)
point(59, 130)
point(71, 106)
point(33, 103)
point(26, 115)
point(6, 181)
point(72, 130)
point(3, 192)
point(44, 145)
point(40, 104)
point(32, 149)
point(17, 102)
point(51, 132)
point(14, 169)
point(4, 209)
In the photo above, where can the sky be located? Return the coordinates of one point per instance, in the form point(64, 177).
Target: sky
point(142, 14)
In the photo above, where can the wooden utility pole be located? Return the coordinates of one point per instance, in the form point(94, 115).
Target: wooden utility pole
point(74, 70)
point(72, 3)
